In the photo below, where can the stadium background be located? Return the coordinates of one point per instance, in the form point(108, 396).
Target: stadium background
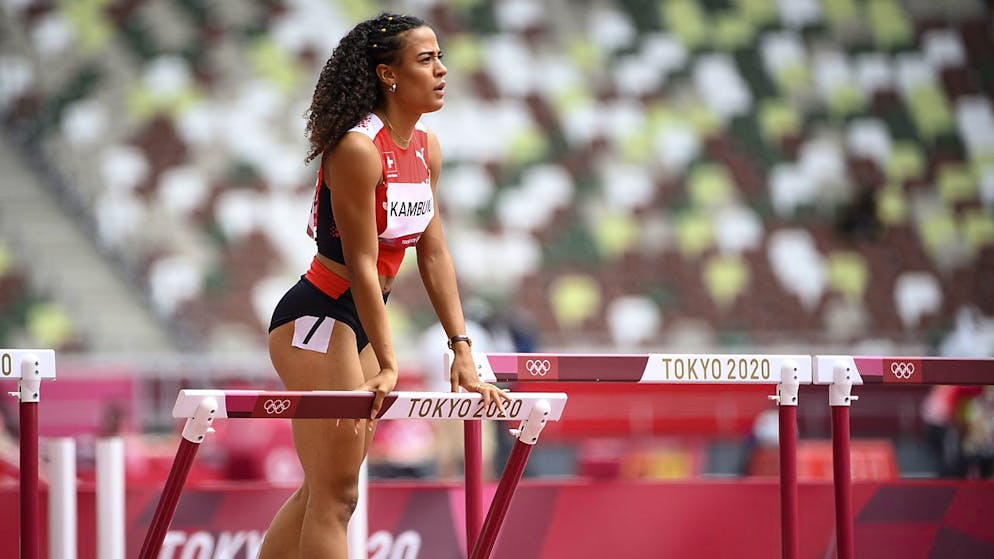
point(623, 176)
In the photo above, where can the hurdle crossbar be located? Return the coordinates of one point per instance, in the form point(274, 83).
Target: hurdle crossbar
point(904, 370)
point(841, 373)
point(202, 407)
point(788, 372)
point(655, 368)
point(30, 367)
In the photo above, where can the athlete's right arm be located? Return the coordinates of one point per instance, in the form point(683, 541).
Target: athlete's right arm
point(352, 170)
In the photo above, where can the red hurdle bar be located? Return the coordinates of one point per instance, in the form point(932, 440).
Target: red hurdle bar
point(473, 474)
point(841, 373)
point(786, 371)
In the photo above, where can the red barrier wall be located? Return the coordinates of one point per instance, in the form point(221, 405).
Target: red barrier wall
point(578, 520)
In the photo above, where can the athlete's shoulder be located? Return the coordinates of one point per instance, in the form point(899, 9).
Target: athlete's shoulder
point(355, 155)
point(361, 137)
point(369, 126)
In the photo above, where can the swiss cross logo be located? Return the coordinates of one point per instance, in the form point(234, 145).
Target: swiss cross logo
point(391, 162)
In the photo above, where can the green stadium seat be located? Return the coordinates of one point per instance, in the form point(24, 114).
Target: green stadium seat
point(848, 274)
point(726, 277)
point(842, 13)
point(92, 28)
point(890, 27)
point(892, 206)
point(732, 31)
point(615, 234)
point(906, 162)
point(575, 299)
point(938, 230)
point(786, 61)
point(710, 186)
point(761, 13)
point(48, 325)
point(778, 119)
point(955, 183)
point(694, 233)
point(978, 229)
point(930, 111)
point(686, 20)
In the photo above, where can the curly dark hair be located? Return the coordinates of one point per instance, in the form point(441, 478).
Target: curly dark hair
point(348, 88)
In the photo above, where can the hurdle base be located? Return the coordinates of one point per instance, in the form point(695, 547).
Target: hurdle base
point(527, 435)
point(194, 432)
point(842, 481)
point(786, 399)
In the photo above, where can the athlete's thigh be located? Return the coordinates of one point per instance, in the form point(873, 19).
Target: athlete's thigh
point(336, 368)
point(330, 451)
point(368, 362)
point(370, 368)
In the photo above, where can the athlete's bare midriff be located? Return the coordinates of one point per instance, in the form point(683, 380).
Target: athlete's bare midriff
point(386, 282)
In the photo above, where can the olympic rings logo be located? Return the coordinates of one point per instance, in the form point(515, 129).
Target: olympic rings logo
point(538, 367)
point(901, 370)
point(276, 407)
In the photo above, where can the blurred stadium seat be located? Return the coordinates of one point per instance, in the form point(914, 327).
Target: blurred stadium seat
point(629, 174)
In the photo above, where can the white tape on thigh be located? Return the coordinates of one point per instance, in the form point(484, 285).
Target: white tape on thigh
point(313, 333)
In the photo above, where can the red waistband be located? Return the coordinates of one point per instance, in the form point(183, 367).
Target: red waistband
point(330, 283)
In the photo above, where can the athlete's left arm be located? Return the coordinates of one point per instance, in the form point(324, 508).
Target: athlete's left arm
point(438, 274)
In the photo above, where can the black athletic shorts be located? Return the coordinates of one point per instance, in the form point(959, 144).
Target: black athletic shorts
point(305, 300)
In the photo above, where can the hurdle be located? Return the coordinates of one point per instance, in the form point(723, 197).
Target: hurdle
point(30, 367)
point(201, 407)
point(841, 373)
point(788, 372)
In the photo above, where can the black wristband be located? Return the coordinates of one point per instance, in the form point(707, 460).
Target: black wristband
point(460, 338)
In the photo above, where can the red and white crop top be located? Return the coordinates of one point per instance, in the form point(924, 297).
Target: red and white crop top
point(404, 202)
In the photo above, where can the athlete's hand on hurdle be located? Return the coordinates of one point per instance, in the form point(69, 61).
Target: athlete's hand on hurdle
point(463, 373)
point(380, 385)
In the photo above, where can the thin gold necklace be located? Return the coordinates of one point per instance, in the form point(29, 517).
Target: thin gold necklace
point(406, 141)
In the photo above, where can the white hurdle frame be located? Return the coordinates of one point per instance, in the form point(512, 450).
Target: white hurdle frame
point(202, 407)
point(62, 498)
point(110, 498)
point(788, 372)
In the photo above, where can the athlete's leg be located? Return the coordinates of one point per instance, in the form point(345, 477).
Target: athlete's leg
point(313, 521)
point(282, 539)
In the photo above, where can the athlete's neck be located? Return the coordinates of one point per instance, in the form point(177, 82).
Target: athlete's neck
point(400, 125)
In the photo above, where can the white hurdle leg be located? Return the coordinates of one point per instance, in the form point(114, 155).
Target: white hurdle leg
point(110, 498)
point(358, 534)
point(62, 498)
